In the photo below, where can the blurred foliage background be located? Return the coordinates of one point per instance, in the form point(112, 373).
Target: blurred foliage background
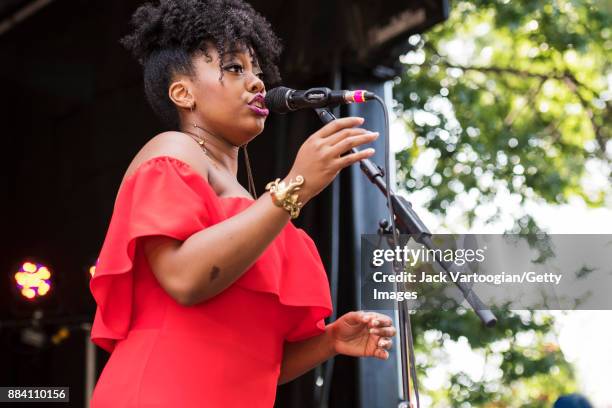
point(510, 96)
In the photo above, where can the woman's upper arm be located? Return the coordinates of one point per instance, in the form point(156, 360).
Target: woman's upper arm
point(162, 252)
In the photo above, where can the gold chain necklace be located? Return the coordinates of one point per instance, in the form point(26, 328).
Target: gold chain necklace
point(202, 142)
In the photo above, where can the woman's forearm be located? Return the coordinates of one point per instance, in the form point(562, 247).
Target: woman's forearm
point(212, 259)
point(302, 356)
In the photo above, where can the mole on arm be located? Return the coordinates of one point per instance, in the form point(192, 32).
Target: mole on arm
point(214, 273)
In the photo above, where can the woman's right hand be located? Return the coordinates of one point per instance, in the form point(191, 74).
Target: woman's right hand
point(319, 159)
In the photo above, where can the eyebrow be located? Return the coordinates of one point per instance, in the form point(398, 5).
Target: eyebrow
point(236, 52)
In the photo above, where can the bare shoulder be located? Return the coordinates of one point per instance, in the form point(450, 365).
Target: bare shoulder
point(172, 144)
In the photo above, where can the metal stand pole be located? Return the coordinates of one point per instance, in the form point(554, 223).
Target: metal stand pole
point(90, 365)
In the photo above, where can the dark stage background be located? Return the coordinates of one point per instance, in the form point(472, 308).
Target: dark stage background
point(73, 116)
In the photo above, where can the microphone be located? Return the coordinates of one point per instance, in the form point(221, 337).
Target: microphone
point(283, 99)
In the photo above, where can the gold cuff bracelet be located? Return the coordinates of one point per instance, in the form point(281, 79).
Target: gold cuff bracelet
point(285, 196)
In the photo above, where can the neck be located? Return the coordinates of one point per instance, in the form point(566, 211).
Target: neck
point(218, 149)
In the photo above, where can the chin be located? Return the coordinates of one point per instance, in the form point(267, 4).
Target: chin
point(247, 130)
point(256, 128)
point(247, 135)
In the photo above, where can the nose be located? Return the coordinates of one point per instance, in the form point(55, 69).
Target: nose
point(256, 85)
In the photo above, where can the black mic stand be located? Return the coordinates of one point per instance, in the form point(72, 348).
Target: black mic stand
point(408, 222)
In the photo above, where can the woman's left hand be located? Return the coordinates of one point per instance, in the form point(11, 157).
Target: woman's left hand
point(363, 334)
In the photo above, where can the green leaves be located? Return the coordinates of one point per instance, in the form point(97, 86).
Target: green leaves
point(509, 95)
point(505, 95)
point(523, 365)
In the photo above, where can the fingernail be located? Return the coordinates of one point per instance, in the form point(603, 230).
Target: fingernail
point(375, 322)
point(361, 120)
point(370, 150)
point(374, 331)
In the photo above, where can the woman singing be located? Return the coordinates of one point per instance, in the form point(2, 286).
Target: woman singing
point(207, 295)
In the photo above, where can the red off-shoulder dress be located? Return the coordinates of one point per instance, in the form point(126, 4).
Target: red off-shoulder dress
point(223, 352)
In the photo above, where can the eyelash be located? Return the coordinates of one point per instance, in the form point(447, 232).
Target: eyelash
point(229, 67)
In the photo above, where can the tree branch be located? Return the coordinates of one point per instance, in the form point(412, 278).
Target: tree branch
point(567, 77)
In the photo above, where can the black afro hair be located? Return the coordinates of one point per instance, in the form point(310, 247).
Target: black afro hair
point(169, 33)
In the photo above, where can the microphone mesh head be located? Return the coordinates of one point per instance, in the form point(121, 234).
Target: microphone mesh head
point(276, 99)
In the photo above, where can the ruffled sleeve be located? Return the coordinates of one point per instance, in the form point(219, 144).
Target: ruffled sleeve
point(164, 196)
point(291, 268)
point(311, 321)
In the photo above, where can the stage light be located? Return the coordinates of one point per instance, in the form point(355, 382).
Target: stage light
point(62, 334)
point(33, 280)
point(92, 269)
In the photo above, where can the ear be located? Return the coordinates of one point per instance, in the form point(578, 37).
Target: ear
point(180, 95)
